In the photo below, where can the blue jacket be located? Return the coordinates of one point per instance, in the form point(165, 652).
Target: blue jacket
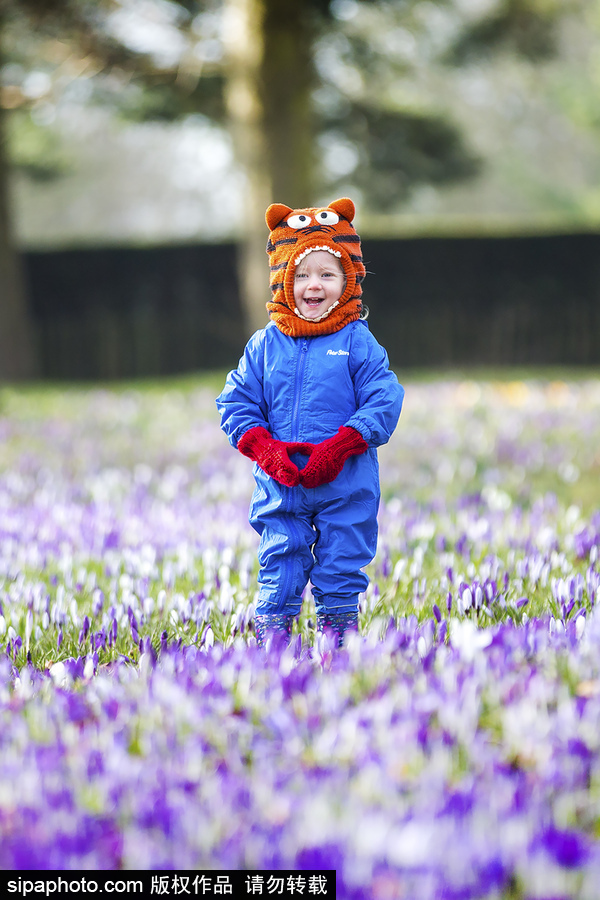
point(304, 389)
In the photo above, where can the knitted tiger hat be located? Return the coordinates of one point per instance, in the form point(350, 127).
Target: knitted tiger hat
point(294, 234)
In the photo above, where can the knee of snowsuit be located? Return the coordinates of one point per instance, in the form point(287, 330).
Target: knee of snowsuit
point(325, 535)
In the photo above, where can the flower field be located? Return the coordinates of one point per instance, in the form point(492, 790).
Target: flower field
point(449, 751)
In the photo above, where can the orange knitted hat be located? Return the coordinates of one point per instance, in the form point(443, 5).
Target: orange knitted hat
point(296, 232)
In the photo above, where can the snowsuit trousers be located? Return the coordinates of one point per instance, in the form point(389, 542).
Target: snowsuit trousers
point(325, 535)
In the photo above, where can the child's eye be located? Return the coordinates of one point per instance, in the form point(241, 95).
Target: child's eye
point(299, 221)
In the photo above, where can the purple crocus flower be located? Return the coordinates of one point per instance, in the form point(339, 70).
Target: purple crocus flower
point(569, 848)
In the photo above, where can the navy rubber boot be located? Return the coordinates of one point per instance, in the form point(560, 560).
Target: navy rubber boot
point(276, 626)
point(337, 624)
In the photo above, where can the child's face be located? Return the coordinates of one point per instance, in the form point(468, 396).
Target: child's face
point(319, 281)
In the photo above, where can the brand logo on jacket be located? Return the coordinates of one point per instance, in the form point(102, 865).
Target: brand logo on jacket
point(338, 353)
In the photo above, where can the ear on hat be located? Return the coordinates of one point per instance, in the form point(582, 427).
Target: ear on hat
point(275, 213)
point(345, 207)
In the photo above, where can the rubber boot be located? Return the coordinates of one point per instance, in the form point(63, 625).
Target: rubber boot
point(276, 626)
point(337, 624)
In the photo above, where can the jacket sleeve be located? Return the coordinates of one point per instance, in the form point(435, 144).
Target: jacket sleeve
point(379, 396)
point(241, 403)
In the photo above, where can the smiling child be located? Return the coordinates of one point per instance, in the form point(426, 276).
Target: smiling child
point(311, 400)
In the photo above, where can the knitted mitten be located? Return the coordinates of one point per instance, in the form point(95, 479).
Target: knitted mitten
point(337, 624)
point(273, 456)
point(277, 626)
point(328, 458)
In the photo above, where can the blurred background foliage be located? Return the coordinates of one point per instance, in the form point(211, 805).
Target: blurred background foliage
point(430, 111)
point(132, 122)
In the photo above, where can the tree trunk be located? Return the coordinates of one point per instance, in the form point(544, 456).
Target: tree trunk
point(269, 83)
point(17, 357)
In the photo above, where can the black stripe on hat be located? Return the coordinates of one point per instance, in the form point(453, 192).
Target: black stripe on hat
point(288, 240)
point(272, 246)
point(346, 239)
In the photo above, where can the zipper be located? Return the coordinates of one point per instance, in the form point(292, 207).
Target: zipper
point(288, 563)
point(300, 367)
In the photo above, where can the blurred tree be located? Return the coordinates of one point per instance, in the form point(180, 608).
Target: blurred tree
point(527, 27)
point(74, 18)
point(270, 79)
point(17, 355)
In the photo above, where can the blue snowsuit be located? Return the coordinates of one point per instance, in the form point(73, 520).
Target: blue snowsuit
point(304, 389)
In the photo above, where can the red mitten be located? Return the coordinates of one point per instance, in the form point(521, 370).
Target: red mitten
point(328, 458)
point(273, 456)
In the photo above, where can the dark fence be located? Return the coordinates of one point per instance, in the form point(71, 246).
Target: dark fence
point(128, 312)
point(500, 301)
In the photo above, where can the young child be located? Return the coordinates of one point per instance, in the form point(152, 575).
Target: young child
point(311, 400)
